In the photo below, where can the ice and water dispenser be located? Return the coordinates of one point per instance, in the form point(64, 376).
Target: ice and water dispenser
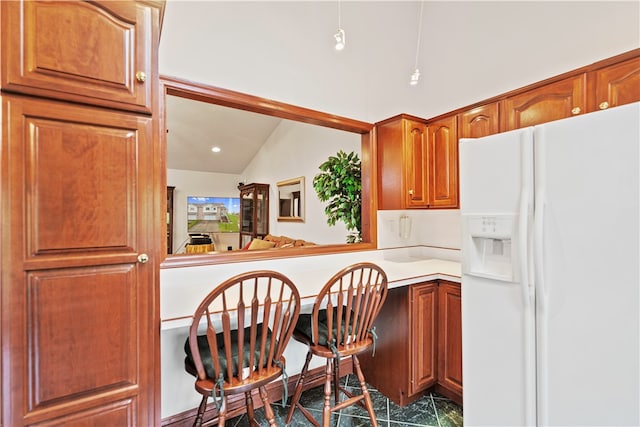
point(489, 247)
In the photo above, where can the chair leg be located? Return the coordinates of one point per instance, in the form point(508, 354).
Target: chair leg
point(249, 403)
point(267, 406)
point(203, 406)
point(326, 409)
point(365, 391)
point(298, 392)
point(222, 413)
point(336, 381)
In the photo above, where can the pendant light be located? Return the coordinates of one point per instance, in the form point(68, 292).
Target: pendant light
point(339, 36)
point(415, 76)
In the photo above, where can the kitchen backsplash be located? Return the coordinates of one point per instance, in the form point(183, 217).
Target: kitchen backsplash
point(435, 228)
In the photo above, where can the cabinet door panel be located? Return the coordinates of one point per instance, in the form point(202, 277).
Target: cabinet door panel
point(58, 49)
point(616, 85)
point(450, 337)
point(423, 336)
point(81, 305)
point(554, 101)
point(416, 189)
point(480, 121)
point(443, 164)
point(88, 172)
point(77, 211)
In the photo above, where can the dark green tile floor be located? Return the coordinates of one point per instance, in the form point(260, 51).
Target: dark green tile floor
point(432, 410)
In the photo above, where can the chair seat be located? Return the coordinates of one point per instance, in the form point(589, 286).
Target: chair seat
point(303, 333)
point(207, 361)
point(207, 385)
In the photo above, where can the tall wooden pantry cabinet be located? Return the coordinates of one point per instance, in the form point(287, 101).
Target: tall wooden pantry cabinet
point(81, 216)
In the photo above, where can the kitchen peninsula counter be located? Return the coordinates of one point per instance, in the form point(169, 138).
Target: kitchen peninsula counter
point(182, 289)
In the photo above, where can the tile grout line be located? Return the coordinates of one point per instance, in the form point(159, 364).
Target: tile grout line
point(388, 413)
point(435, 409)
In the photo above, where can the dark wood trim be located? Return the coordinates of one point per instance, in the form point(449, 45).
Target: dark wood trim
point(229, 98)
point(226, 257)
point(236, 404)
point(215, 95)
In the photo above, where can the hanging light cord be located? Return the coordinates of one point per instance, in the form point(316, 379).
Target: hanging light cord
point(339, 22)
point(419, 34)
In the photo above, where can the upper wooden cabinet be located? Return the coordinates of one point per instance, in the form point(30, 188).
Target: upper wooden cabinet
point(58, 50)
point(442, 161)
point(402, 163)
point(479, 121)
point(417, 163)
point(614, 85)
point(554, 101)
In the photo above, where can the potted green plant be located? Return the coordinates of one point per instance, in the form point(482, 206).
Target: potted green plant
point(340, 184)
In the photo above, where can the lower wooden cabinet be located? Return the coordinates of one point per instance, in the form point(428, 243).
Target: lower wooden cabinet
point(450, 339)
point(422, 327)
point(413, 326)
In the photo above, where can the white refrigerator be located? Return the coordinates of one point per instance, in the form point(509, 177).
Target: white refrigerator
point(551, 273)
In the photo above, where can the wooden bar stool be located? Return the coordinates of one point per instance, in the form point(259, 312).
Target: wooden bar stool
point(341, 325)
point(237, 338)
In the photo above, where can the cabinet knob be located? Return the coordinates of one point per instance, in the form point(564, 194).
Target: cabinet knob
point(603, 105)
point(575, 110)
point(141, 76)
point(143, 258)
point(411, 192)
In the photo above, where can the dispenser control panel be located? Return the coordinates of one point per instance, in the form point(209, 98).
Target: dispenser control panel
point(488, 246)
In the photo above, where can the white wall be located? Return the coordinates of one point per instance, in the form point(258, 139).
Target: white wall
point(438, 228)
point(296, 149)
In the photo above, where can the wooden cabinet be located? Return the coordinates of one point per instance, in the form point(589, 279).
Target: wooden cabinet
point(442, 161)
point(80, 215)
point(450, 340)
point(417, 163)
point(479, 121)
point(96, 53)
point(422, 330)
point(554, 101)
point(254, 212)
point(614, 85)
point(402, 163)
point(406, 359)
point(170, 219)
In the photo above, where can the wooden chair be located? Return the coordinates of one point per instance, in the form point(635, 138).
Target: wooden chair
point(341, 325)
point(237, 338)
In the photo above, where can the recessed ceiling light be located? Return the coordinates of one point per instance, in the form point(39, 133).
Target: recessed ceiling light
point(215, 149)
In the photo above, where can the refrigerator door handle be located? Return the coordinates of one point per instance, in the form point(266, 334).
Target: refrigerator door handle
point(526, 184)
point(541, 287)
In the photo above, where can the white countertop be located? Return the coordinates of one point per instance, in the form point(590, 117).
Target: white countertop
point(182, 289)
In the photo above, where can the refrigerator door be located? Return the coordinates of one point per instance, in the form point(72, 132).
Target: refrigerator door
point(497, 307)
point(587, 273)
